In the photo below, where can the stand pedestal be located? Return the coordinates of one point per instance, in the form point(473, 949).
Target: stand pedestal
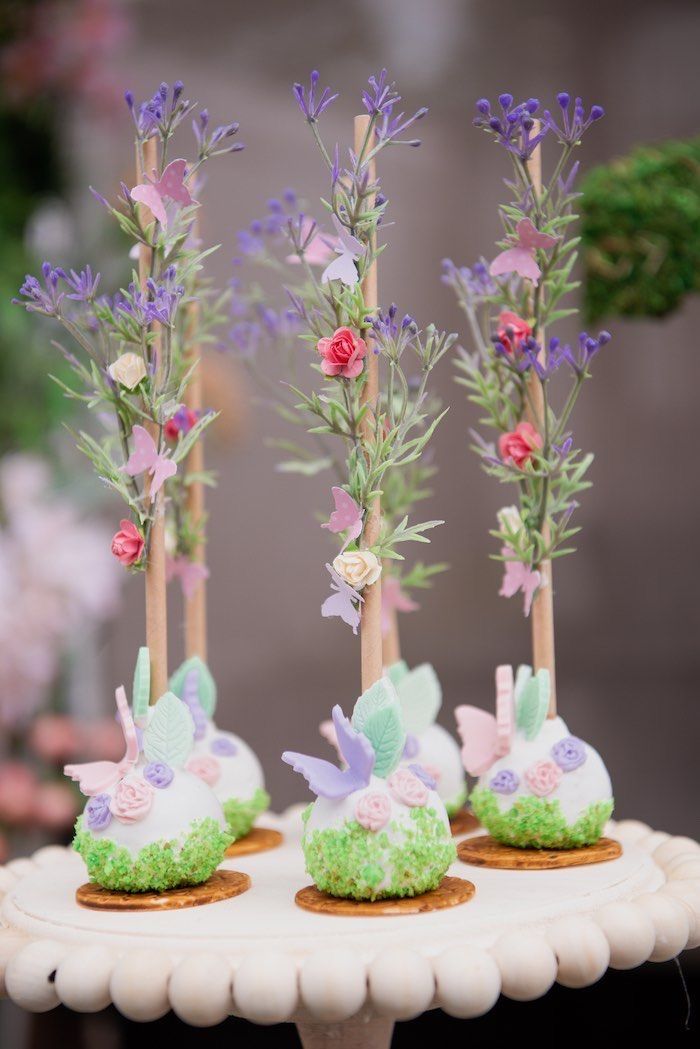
point(362, 1034)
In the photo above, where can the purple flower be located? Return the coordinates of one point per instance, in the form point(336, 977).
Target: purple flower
point(473, 284)
point(514, 127)
point(579, 360)
point(83, 284)
point(97, 813)
point(569, 753)
point(423, 776)
point(311, 106)
point(572, 127)
point(44, 299)
point(382, 97)
point(160, 114)
point(389, 127)
point(505, 782)
point(208, 142)
point(158, 774)
point(411, 746)
point(223, 747)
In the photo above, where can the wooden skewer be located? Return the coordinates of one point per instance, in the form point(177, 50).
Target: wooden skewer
point(391, 643)
point(196, 604)
point(156, 602)
point(371, 624)
point(542, 612)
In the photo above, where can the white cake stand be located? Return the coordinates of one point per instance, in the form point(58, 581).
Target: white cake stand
point(344, 980)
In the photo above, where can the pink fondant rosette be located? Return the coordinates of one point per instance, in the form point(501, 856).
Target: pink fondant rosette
point(373, 811)
point(204, 767)
point(407, 788)
point(543, 778)
point(131, 800)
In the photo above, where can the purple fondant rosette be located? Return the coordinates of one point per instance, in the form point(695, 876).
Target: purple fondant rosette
point(223, 747)
point(569, 753)
point(97, 812)
point(158, 774)
point(505, 782)
point(424, 776)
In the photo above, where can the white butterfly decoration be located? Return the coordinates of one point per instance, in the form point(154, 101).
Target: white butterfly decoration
point(349, 249)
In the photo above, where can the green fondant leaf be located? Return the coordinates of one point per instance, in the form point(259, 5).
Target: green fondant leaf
point(534, 704)
point(381, 694)
point(384, 729)
point(169, 736)
point(206, 684)
point(523, 675)
point(397, 672)
point(420, 696)
point(141, 693)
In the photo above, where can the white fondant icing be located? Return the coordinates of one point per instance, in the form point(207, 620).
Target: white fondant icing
point(576, 790)
point(172, 812)
point(241, 773)
point(438, 750)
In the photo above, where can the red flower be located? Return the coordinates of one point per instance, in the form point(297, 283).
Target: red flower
point(181, 422)
point(342, 354)
point(512, 330)
point(518, 446)
point(128, 543)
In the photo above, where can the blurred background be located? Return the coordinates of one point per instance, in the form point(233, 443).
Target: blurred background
point(627, 605)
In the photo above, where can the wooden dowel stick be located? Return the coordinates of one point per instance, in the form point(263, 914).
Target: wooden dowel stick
point(196, 604)
point(371, 624)
point(156, 602)
point(391, 642)
point(542, 613)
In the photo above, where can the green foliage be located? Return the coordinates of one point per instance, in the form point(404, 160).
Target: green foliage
point(536, 823)
point(168, 738)
point(140, 696)
point(641, 231)
point(420, 696)
point(377, 715)
point(206, 685)
point(533, 703)
point(241, 813)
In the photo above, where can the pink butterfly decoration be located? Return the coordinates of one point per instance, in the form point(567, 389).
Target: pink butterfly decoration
point(145, 456)
point(486, 738)
point(190, 573)
point(519, 577)
point(394, 599)
point(520, 258)
point(342, 601)
point(170, 186)
point(347, 516)
point(349, 249)
point(94, 777)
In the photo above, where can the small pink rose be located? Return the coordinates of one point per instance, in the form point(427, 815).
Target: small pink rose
point(434, 772)
point(512, 330)
point(127, 543)
point(372, 811)
point(131, 800)
point(205, 767)
point(342, 353)
point(543, 777)
point(407, 788)
point(520, 445)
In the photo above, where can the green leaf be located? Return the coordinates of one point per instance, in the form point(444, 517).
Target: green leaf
point(397, 672)
point(420, 696)
point(379, 695)
point(169, 735)
point(308, 468)
point(533, 704)
point(141, 692)
point(384, 729)
point(206, 683)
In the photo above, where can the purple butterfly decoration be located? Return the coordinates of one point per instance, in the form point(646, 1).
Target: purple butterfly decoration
point(347, 516)
point(348, 250)
point(520, 258)
point(518, 576)
point(342, 601)
point(327, 780)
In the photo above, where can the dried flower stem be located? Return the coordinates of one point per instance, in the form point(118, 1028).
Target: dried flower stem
point(371, 624)
point(156, 602)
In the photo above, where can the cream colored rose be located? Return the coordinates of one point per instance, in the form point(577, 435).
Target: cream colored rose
point(358, 567)
point(128, 370)
point(510, 520)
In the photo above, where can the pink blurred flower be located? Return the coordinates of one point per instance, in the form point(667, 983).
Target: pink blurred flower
point(18, 793)
point(104, 740)
point(394, 599)
point(55, 738)
point(519, 445)
point(318, 252)
point(407, 788)
point(56, 806)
